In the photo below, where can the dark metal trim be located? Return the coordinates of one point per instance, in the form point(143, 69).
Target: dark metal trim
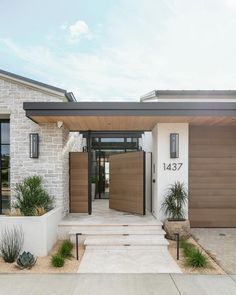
point(130, 109)
point(68, 95)
point(113, 134)
point(9, 167)
point(89, 173)
point(151, 179)
point(102, 106)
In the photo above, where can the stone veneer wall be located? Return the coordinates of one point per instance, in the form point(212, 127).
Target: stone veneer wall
point(54, 144)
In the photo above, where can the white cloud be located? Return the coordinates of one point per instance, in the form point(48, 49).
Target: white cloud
point(78, 30)
point(63, 26)
point(183, 45)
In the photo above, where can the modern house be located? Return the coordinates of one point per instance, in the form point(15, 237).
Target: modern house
point(132, 151)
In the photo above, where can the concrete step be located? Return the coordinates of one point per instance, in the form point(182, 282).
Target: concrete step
point(138, 240)
point(65, 232)
point(117, 230)
point(125, 247)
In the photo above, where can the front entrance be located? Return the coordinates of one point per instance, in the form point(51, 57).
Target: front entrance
point(115, 171)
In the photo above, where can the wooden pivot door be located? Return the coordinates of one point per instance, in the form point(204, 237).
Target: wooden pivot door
point(127, 182)
point(79, 182)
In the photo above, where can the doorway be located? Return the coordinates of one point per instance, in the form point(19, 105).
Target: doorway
point(114, 174)
point(104, 146)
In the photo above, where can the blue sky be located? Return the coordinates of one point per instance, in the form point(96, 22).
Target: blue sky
point(111, 50)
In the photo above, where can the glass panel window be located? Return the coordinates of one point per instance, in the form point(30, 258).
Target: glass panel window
point(107, 139)
point(5, 166)
point(5, 133)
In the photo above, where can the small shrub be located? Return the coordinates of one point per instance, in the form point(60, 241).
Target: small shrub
point(57, 260)
point(26, 260)
point(11, 243)
point(175, 201)
point(196, 259)
point(30, 196)
point(188, 248)
point(66, 249)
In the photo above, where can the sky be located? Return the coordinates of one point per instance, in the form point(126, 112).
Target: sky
point(118, 50)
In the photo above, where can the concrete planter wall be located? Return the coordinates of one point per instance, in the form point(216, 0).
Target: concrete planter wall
point(40, 232)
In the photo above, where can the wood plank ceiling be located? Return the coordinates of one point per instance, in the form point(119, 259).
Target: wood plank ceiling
point(145, 123)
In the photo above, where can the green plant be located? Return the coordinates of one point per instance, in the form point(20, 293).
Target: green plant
point(196, 259)
point(26, 260)
point(188, 248)
point(30, 195)
point(175, 199)
point(11, 243)
point(94, 179)
point(57, 260)
point(66, 249)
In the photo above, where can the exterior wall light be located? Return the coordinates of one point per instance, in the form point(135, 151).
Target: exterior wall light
point(174, 145)
point(34, 145)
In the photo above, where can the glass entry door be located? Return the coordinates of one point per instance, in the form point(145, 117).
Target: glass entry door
point(102, 150)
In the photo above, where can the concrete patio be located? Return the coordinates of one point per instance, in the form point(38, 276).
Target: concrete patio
point(116, 284)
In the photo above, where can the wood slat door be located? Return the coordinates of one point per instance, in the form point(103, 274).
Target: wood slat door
point(127, 182)
point(79, 182)
point(212, 176)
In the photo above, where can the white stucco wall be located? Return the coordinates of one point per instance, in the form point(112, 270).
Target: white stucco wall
point(40, 232)
point(161, 155)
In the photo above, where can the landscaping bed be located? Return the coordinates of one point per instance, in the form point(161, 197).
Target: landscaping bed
point(211, 268)
point(43, 264)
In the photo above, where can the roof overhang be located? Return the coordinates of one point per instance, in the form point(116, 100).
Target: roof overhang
point(56, 91)
point(82, 116)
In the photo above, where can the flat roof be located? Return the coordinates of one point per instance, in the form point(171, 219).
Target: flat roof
point(84, 116)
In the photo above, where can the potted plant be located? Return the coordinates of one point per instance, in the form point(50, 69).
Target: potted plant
point(174, 208)
point(93, 186)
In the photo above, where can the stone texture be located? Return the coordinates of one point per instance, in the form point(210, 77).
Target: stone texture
point(54, 143)
point(181, 227)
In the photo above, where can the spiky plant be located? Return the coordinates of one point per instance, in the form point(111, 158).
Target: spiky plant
point(11, 242)
point(175, 200)
point(30, 195)
point(26, 260)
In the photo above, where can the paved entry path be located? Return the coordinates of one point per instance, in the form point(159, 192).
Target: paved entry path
point(128, 261)
point(117, 284)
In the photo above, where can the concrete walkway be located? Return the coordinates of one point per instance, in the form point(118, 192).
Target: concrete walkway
point(133, 260)
point(116, 284)
point(221, 244)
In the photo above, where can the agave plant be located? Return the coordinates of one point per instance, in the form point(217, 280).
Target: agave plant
point(175, 200)
point(26, 260)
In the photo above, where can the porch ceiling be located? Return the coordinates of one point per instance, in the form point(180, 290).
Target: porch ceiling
point(80, 116)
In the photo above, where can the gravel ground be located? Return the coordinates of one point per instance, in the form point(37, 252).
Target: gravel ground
point(212, 268)
point(43, 264)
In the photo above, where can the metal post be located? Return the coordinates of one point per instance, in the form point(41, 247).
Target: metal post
point(177, 241)
point(77, 244)
point(89, 173)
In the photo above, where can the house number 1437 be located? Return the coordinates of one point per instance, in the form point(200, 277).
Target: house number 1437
point(172, 166)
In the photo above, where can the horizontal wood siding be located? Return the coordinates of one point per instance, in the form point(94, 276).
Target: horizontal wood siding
point(212, 176)
point(78, 182)
point(127, 182)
